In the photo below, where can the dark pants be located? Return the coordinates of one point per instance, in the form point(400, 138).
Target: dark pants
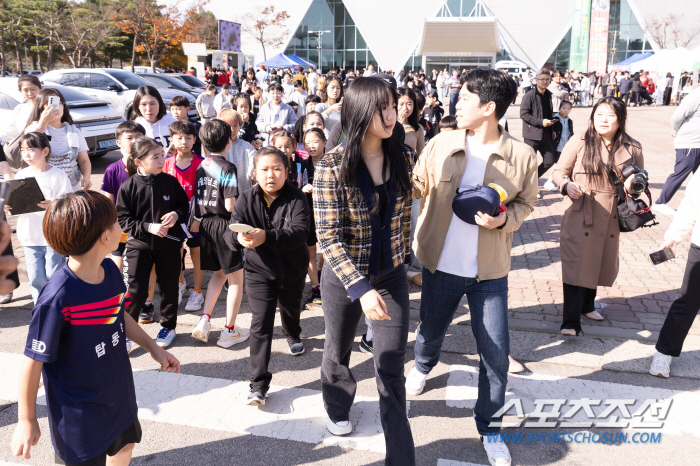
point(341, 317)
point(634, 97)
point(137, 271)
point(577, 300)
point(14, 276)
point(604, 90)
point(263, 296)
point(488, 304)
point(545, 148)
point(667, 96)
point(683, 310)
point(625, 98)
point(454, 97)
point(687, 162)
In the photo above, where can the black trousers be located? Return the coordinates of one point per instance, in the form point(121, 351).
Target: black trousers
point(687, 162)
point(263, 296)
point(683, 310)
point(338, 385)
point(625, 98)
point(577, 300)
point(667, 96)
point(545, 147)
point(137, 272)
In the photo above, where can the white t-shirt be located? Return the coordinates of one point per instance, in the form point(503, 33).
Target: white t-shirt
point(160, 130)
point(59, 138)
point(222, 102)
point(206, 104)
point(456, 259)
point(53, 183)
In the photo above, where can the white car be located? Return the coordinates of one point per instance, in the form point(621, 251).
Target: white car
point(118, 87)
point(97, 120)
point(143, 69)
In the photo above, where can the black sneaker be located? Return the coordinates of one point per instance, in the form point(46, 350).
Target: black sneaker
point(315, 297)
point(257, 397)
point(366, 346)
point(146, 314)
point(296, 346)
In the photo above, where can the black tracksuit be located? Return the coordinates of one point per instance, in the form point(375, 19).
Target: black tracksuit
point(275, 270)
point(143, 200)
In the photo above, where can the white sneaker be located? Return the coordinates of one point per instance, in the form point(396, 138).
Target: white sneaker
point(227, 339)
point(663, 209)
point(181, 288)
point(595, 315)
point(514, 367)
point(201, 331)
point(415, 382)
point(195, 301)
point(550, 186)
point(338, 428)
point(496, 450)
point(661, 365)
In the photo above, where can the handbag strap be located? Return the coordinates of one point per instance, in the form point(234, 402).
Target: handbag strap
point(617, 183)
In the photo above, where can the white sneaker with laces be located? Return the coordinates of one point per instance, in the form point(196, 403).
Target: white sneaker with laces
point(229, 338)
point(338, 428)
point(661, 365)
point(201, 331)
point(496, 450)
point(195, 301)
point(663, 209)
point(415, 382)
point(181, 288)
point(550, 186)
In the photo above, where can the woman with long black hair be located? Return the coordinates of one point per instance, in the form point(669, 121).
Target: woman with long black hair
point(332, 97)
point(362, 204)
point(408, 116)
point(590, 229)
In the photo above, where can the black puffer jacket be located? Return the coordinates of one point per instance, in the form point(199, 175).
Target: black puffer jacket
point(143, 200)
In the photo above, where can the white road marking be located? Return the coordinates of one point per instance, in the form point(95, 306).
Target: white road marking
point(219, 404)
point(683, 415)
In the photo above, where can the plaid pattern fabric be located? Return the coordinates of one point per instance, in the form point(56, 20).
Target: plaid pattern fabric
point(343, 226)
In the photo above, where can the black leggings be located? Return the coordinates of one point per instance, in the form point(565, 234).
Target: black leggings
point(683, 310)
point(544, 146)
point(577, 300)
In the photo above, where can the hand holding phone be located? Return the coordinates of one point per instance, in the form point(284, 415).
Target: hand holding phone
point(661, 256)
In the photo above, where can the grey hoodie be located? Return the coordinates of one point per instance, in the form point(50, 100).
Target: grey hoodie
point(685, 122)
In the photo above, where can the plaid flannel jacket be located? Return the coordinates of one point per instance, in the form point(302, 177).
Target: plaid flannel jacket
point(344, 228)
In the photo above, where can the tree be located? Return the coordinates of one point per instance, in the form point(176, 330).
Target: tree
point(17, 26)
point(267, 27)
point(668, 34)
point(200, 26)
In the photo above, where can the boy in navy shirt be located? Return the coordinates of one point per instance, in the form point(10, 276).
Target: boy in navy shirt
point(77, 337)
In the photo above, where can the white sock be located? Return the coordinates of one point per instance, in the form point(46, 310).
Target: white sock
point(412, 274)
point(148, 303)
point(369, 334)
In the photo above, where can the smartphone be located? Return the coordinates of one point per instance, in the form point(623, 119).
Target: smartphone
point(661, 256)
point(54, 101)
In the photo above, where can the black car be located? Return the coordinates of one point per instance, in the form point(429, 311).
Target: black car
point(169, 81)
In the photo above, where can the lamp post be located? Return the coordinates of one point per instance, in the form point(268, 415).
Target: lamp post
point(319, 48)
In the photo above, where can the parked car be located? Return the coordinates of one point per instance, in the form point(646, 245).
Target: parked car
point(33, 72)
point(190, 80)
point(96, 119)
point(168, 81)
point(143, 69)
point(113, 85)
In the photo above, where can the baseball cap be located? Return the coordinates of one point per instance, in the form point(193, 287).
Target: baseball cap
point(388, 78)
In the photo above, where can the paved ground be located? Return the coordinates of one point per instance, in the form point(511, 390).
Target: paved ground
point(199, 416)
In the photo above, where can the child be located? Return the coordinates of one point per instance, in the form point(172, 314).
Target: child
point(222, 101)
point(248, 131)
point(313, 119)
point(298, 167)
point(311, 102)
point(215, 196)
point(77, 341)
point(432, 114)
point(315, 144)
point(183, 166)
point(205, 103)
point(151, 205)
point(258, 101)
point(276, 261)
point(448, 123)
point(116, 174)
point(240, 153)
point(563, 129)
point(42, 261)
point(299, 96)
point(179, 107)
point(150, 111)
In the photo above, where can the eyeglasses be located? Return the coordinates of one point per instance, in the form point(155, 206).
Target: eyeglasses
point(544, 80)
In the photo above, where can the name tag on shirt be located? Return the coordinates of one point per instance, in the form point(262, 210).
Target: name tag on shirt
point(73, 140)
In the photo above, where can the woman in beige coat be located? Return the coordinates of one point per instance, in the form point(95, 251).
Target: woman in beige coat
point(589, 227)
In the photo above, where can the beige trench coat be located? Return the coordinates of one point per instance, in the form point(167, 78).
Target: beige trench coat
point(589, 227)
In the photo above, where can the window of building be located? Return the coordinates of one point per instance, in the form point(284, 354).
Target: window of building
point(559, 59)
point(625, 34)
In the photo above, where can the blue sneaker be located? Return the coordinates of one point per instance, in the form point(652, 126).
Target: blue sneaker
point(165, 337)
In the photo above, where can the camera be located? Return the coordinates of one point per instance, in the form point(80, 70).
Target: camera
point(640, 179)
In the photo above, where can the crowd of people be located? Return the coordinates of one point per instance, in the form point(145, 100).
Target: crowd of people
point(368, 171)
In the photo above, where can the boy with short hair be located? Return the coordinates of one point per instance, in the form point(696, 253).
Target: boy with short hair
point(205, 103)
point(448, 123)
point(77, 340)
point(240, 153)
point(179, 107)
point(183, 166)
point(215, 195)
point(222, 101)
point(116, 173)
point(563, 129)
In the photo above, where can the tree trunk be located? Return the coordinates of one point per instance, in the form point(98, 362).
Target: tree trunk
point(18, 52)
point(39, 67)
point(2, 55)
point(153, 64)
point(133, 55)
point(49, 54)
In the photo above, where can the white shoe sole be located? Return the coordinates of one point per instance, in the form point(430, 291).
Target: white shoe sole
point(218, 343)
point(297, 354)
point(414, 392)
point(256, 402)
point(199, 335)
point(336, 430)
point(191, 309)
point(659, 375)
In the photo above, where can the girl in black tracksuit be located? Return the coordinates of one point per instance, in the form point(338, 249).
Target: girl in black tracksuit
point(276, 259)
point(150, 207)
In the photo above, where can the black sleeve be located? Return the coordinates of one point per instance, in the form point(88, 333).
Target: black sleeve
point(296, 230)
point(526, 111)
point(2, 153)
point(126, 213)
point(239, 215)
point(181, 201)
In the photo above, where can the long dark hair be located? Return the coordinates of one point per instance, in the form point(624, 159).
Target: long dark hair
point(324, 89)
point(592, 159)
point(42, 99)
point(144, 91)
point(139, 150)
point(413, 117)
point(364, 97)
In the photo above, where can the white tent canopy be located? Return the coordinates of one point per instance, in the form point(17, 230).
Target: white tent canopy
point(680, 59)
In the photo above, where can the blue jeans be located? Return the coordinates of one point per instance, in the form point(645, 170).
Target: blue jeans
point(454, 97)
point(488, 304)
point(42, 262)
